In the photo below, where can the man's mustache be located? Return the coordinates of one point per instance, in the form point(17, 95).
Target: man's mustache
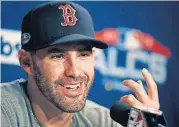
point(69, 80)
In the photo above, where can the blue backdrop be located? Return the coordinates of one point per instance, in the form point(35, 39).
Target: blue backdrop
point(140, 34)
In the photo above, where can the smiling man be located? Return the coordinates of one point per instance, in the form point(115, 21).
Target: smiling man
point(58, 55)
point(64, 74)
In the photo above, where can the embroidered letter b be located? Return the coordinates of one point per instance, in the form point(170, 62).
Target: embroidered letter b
point(68, 15)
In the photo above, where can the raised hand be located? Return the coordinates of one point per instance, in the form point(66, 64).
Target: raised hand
point(143, 99)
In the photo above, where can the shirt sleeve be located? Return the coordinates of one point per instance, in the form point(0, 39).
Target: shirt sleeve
point(5, 120)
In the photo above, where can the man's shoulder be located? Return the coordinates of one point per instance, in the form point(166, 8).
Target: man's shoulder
point(12, 91)
point(98, 115)
point(11, 88)
point(93, 109)
point(93, 105)
point(15, 106)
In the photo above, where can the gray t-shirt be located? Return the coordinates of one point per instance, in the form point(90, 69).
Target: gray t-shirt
point(16, 110)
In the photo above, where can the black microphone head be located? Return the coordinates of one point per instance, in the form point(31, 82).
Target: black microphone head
point(119, 112)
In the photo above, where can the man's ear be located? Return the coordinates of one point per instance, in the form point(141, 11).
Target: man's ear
point(25, 60)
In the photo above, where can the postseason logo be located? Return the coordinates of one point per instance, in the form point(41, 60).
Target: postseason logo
point(129, 51)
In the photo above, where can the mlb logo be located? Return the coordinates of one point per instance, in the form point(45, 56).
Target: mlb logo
point(136, 119)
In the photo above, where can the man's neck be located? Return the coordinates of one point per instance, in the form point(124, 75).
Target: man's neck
point(45, 111)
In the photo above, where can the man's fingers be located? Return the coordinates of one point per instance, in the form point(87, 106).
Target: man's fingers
point(138, 89)
point(131, 100)
point(143, 99)
point(140, 82)
point(152, 87)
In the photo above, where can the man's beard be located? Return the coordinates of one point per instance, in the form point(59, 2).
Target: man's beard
point(61, 101)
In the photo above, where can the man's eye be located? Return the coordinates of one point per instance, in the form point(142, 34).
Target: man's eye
point(85, 54)
point(59, 56)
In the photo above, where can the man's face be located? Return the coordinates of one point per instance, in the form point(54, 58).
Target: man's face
point(64, 74)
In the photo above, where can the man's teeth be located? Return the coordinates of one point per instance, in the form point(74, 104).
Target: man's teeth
point(72, 87)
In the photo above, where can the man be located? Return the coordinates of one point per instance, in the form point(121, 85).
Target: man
point(58, 55)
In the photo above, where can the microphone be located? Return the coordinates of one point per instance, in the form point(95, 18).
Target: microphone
point(129, 116)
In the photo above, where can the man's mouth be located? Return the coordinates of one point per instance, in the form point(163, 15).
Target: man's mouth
point(72, 89)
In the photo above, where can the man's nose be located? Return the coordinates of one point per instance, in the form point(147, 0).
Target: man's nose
point(71, 67)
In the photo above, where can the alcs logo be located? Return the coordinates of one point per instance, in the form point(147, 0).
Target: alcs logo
point(129, 51)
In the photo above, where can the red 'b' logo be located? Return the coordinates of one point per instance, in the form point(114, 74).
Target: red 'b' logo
point(68, 15)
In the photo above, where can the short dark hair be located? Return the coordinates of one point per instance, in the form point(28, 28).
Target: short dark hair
point(32, 53)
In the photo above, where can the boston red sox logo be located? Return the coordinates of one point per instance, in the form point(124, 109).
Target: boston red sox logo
point(68, 15)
